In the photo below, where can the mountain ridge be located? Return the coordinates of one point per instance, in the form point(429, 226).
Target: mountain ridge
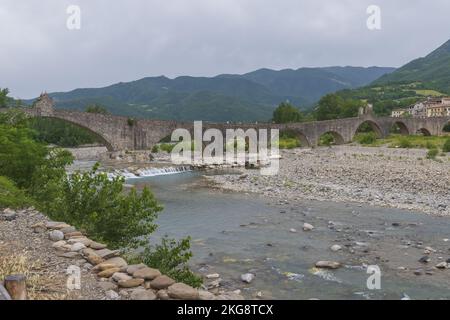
point(226, 97)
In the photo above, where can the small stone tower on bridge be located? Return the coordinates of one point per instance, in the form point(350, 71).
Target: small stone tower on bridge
point(44, 105)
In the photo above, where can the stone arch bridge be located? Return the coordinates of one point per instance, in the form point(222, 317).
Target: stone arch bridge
point(122, 133)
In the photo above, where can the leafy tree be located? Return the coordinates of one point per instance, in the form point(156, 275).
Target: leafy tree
point(96, 108)
point(286, 113)
point(4, 97)
point(61, 133)
point(21, 157)
point(11, 196)
point(99, 206)
point(333, 106)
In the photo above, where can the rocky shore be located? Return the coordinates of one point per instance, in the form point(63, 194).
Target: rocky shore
point(398, 178)
point(49, 252)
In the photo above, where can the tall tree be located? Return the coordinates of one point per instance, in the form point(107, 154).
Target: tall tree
point(286, 113)
point(4, 99)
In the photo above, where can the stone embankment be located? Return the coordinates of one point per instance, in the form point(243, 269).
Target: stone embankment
point(398, 178)
point(52, 248)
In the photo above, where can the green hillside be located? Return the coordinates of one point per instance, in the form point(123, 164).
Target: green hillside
point(417, 80)
point(432, 71)
point(249, 97)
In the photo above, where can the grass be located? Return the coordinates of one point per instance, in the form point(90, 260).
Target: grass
point(289, 143)
point(41, 285)
point(427, 93)
point(411, 141)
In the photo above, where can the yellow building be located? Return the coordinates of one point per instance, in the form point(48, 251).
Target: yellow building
point(438, 110)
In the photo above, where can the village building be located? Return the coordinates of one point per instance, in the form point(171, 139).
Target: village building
point(432, 107)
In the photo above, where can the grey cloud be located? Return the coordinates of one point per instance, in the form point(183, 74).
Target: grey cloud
point(124, 40)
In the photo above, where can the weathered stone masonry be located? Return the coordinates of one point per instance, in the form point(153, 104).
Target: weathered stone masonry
point(119, 133)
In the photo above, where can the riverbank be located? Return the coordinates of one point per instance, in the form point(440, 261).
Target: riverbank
point(61, 263)
point(397, 178)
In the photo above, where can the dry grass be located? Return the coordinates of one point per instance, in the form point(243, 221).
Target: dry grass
point(41, 284)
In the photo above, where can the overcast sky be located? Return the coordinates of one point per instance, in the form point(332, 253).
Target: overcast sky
point(125, 40)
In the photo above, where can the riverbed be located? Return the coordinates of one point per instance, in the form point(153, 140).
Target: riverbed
point(235, 233)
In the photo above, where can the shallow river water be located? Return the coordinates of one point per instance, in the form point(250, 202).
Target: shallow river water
point(238, 233)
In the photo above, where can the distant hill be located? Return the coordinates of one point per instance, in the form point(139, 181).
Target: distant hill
point(248, 97)
point(433, 71)
point(416, 80)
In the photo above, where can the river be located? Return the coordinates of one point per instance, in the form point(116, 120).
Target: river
point(236, 233)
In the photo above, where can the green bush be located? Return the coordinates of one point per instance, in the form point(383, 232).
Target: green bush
point(432, 153)
point(366, 138)
point(167, 147)
point(155, 149)
point(100, 207)
point(61, 133)
point(11, 196)
point(289, 143)
point(404, 142)
point(326, 140)
point(446, 146)
point(171, 258)
point(96, 108)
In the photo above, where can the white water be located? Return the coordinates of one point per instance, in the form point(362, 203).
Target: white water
point(148, 172)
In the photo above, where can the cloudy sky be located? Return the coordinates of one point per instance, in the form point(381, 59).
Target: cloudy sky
point(125, 40)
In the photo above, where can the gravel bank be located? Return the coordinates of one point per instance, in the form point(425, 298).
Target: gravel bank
point(398, 178)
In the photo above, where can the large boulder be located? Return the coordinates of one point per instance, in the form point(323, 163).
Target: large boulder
point(146, 273)
point(182, 291)
point(118, 261)
point(131, 283)
point(108, 272)
point(142, 294)
point(161, 282)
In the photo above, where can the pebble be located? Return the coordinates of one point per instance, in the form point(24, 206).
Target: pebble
point(77, 247)
point(425, 259)
point(307, 227)
point(162, 295)
point(336, 248)
point(106, 285)
point(112, 295)
point(247, 277)
point(442, 265)
point(205, 295)
point(56, 235)
point(142, 294)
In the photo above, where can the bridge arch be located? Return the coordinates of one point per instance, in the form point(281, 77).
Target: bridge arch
point(446, 127)
point(375, 127)
point(401, 126)
point(107, 144)
point(424, 131)
point(338, 138)
point(304, 141)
